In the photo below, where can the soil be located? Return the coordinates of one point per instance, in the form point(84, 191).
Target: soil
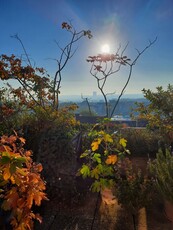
point(77, 213)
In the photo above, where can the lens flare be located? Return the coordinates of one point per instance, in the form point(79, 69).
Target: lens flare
point(105, 48)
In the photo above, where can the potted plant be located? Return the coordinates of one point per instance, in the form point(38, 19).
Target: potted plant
point(162, 171)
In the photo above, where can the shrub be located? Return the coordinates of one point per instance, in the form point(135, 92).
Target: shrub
point(141, 142)
point(133, 189)
point(162, 170)
point(20, 182)
point(105, 151)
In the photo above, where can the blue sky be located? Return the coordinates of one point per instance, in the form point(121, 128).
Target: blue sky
point(38, 23)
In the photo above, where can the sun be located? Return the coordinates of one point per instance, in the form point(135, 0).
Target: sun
point(105, 48)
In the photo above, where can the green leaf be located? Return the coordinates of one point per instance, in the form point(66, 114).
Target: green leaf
point(83, 155)
point(95, 173)
point(100, 167)
point(21, 159)
point(12, 168)
point(5, 160)
point(97, 157)
point(95, 187)
point(103, 183)
point(85, 171)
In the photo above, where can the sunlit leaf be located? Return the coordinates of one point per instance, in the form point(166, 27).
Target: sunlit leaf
point(12, 180)
point(30, 201)
point(97, 157)
point(108, 138)
point(123, 142)
point(83, 155)
point(111, 159)
point(22, 140)
point(5, 160)
point(21, 171)
point(21, 159)
point(6, 174)
point(95, 173)
point(85, 171)
point(38, 167)
point(95, 144)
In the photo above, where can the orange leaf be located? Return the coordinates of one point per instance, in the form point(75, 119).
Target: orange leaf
point(38, 167)
point(38, 217)
point(28, 153)
point(95, 144)
point(12, 180)
point(22, 140)
point(6, 174)
point(7, 148)
point(2, 149)
point(30, 201)
point(37, 198)
point(21, 203)
point(112, 159)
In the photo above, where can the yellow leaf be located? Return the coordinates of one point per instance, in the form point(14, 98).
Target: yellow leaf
point(12, 179)
point(123, 142)
point(108, 138)
point(95, 144)
point(112, 159)
point(22, 171)
point(6, 174)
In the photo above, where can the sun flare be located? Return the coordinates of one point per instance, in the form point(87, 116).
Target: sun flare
point(105, 48)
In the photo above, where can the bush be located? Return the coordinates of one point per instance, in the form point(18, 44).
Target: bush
point(141, 142)
point(20, 182)
point(133, 189)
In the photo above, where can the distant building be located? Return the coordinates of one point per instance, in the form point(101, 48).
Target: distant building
point(127, 122)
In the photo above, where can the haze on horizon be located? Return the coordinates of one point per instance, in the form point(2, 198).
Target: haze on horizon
point(38, 23)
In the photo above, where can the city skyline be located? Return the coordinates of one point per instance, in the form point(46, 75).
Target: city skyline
point(38, 23)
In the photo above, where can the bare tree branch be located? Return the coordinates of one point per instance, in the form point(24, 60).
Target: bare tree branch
point(109, 64)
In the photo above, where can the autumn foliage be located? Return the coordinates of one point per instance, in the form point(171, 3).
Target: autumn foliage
point(105, 151)
point(21, 185)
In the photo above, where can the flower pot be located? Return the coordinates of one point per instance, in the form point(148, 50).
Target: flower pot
point(168, 206)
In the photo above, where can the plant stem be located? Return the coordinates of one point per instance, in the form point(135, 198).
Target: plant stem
point(134, 222)
point(95, 211)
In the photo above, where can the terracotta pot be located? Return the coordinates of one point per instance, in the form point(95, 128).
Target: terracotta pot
point(168, 210)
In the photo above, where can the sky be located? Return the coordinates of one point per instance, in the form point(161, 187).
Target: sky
point(112, 22)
